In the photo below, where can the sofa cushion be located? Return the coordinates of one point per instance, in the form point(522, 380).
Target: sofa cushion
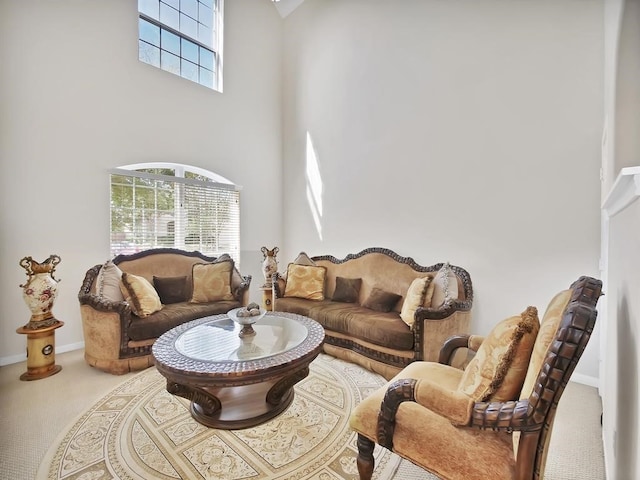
point(347, 290)
point(171, 289)
point(445, 287)
point(212, 281)
point(305, 281)
point(498, 370)
point(381, 328)
point(140, 294)
point(173, 315)
point(108, 282)
point(380, 300)
point(415, 298)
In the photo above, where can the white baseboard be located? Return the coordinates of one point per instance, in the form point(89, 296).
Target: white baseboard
point(8, 360)
point(585, 380)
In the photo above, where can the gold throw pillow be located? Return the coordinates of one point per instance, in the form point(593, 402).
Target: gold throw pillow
point(212, 282)
point(305, 281)
point(414, 299)
point(140, 295)
point(498, 370)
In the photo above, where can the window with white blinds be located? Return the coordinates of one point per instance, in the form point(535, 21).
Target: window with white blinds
point(173, 207)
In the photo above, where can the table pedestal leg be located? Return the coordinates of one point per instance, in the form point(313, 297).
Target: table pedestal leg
point(41, 352)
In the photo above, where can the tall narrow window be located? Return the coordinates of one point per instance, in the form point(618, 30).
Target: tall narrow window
point(183, 37)
point(170, 205)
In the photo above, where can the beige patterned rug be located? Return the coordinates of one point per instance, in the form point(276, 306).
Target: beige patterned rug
point(139, 431)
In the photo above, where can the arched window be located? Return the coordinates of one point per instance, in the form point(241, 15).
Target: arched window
point(172, 205)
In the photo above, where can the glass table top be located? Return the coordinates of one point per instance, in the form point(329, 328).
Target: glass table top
point(217, 340)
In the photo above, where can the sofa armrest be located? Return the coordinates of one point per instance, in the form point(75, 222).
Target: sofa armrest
point(452, 345)
point(277, 286)
point(432, 328)
point(241, 292)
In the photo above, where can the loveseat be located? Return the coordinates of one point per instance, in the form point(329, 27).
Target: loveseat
point(128, 302)
point(379, 309)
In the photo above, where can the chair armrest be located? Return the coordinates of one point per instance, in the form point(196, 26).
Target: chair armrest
point(452, 344)
point(451, 404)
point(277, 285)
point(505, 416)
point(241, 292)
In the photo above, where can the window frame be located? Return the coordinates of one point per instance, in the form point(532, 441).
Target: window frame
point(216, 184)
point(216, 48)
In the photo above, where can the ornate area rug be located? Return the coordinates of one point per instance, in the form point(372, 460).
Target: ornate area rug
point(139, 431)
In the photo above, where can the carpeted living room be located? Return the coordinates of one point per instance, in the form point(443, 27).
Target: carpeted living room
point(498, 136)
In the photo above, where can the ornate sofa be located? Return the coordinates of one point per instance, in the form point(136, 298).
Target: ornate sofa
point(127, 303)
point(378, 309)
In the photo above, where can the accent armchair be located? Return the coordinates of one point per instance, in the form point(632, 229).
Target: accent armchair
point(494, 418)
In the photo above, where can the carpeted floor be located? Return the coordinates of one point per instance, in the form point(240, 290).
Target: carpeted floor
point(35, 413)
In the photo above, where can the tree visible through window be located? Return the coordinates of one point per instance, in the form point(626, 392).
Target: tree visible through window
point(183, 37)
point(171, 205)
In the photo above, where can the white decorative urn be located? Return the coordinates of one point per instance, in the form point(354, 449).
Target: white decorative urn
point(269, 264)
point(40, 291)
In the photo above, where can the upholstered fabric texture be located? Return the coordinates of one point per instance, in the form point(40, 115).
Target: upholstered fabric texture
point(347, 290)
point(381, 300)
point(447, 454)
point(171, 289)
point(140, 294)
point(305, 281)
point(212, 281)
point(415, 297)
point(498, 370)
point(108, 282)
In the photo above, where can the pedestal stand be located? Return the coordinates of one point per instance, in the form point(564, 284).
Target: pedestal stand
point(267, 297)
point(41, 355)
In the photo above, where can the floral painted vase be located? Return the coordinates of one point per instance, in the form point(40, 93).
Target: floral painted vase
point(269, 264)
point(40, 290)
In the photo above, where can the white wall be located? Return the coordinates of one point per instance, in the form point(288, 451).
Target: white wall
point(75, 102)
point(464, 131)
point(621, 393)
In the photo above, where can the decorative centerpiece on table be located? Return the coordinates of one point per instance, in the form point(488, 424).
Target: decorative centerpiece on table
point(247, 316)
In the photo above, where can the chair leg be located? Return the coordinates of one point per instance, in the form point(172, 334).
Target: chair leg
point(365, 460)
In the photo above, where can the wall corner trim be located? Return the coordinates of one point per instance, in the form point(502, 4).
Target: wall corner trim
point(625, 190)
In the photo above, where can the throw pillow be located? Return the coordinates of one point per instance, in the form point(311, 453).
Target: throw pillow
point(445, 287)
point(212, 281)
point(380, 300)
point(305, 281)
point(171, 289)
point(415, 298)
point(498, 370)
point(108, 282)
point(140, 295)
point(347, 290)
point(303, 259)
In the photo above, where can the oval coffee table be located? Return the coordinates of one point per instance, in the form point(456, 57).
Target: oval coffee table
point(235, 382)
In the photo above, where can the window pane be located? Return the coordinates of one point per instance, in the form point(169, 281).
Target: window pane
point(189, 70)
point(188, 26)
point(148, 54)
point(149, 7)
point(169, 16)
point(206, 77)
point(170, 62)
point(205, 35)
point(189, 51)
point(208, 3)
point(189, 7)
point(205, 15)
point(174, 3)
point(170, 42)
point(206, 58)
point(149, 32)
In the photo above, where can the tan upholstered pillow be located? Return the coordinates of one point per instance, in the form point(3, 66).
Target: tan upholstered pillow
point(498, 370)
point(414, 299)
point(445, 287)
point(140, 295)
point(212, 281)
point(305, 281)
point(108, 282)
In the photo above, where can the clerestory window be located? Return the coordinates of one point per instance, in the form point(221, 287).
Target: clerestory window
point(172, 205)
point(183, 37)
